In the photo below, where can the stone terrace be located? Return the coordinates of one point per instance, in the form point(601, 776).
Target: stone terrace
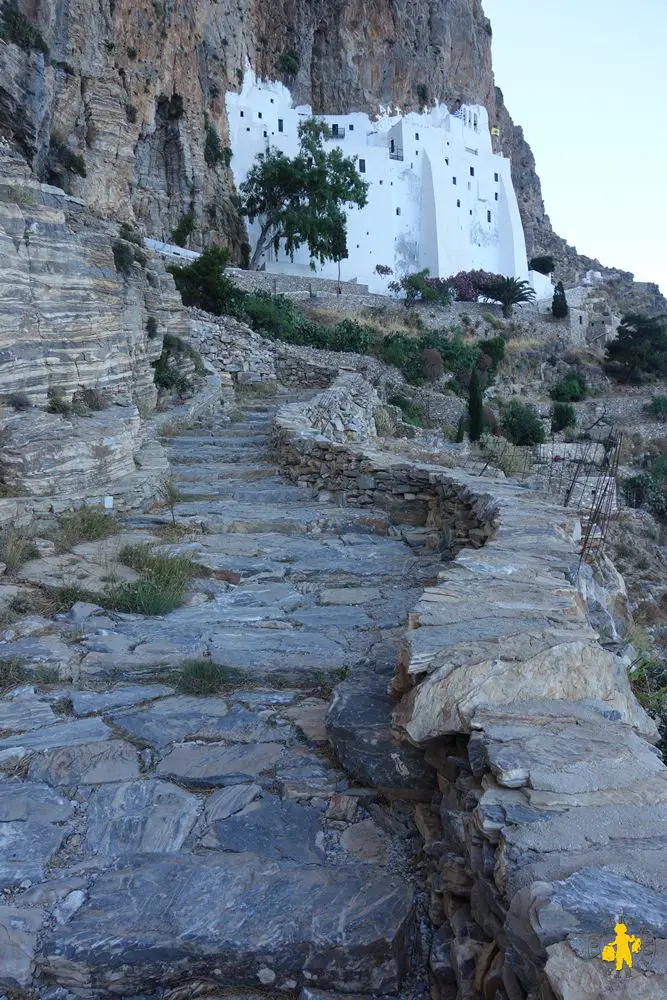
point(549, 819)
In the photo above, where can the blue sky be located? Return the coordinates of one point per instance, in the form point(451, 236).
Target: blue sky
point(587, 80)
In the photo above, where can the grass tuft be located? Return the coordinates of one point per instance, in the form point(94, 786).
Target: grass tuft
point(202, 677)
point(87, 524)
point(16, 548)
point(12, 672)
point(162, 584)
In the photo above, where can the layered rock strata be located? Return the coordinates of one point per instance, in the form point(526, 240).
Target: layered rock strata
point(548, 822)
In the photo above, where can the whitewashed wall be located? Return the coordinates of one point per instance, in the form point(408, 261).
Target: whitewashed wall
point(438, 196)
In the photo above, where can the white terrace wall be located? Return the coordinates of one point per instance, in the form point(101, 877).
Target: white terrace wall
point(438, 197)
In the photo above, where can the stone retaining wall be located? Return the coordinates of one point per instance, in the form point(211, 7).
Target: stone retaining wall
point(549, 820)
point(286, 284)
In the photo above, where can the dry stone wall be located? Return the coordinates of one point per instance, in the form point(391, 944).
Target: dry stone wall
point(548, 821)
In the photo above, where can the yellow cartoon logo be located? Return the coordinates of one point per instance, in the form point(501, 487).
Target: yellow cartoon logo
point(622, 948)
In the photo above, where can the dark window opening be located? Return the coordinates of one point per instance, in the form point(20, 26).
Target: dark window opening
point(242, 115)
point(334, 130)
point(417, 136)
point(398, 211)
point(280, 124)
point(247, 129)
point(266, 134)
point(351, 128)
point(362, 166)
point(447, 160)
point(458, 202)
point(496, 196)
point(581, 321)
point(495, 177)
point(453, 180)
point(259, 114)
point(472, 171)
point(488, 217)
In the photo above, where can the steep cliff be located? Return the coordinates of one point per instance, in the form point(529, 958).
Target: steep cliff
point(131, 94)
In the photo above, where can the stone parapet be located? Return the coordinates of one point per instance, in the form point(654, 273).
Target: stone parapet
point(548, 823)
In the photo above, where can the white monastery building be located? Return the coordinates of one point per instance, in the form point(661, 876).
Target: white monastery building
point(438, 196)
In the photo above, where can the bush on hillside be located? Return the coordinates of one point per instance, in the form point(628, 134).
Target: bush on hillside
point(432, 364)
point(419, 287)
point(571, 389)
point(412, 412)
point(204, 284)
point(521, 424)
point(466, 286)
point(543, 264)
point(348, 335)
point(658, 407)
point(563, 415)
point(639, 352)
point(559, 306)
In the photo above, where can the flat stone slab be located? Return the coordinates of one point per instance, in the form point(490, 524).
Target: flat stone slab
point(72, 732)
point(207, 765)
point(359, 725)
point(181, 718)
point(88, 702)
point(272, 828)
point(150, 924)
point(18, 940)
point(267, 652)
point(151, 817)
point(348, 595)
point(24, 709)
point(90, 764)
point(310, 717)
point(32, 828)
point(227, 801)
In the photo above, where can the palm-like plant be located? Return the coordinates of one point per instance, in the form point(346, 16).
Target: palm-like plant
point(509, 292)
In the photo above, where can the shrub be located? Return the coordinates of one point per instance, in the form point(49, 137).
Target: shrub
point(17, 29)
point(432, 364)
point(412, 412)
point(184, 229)
point(493, 321)
point(658, 407)
point(213, 153)
point(167, 372)
point(403, 352)
point(289, 62)
point(648, 491)
point(18, 401)
point(640, 349)
point(562, 415)
point(475, 408)
point(74, 162)
point(87, 524)
point(57, 402)
point(461, 429)
point(495, 348)
point(202, 677)
point(422, 94)
point(275, 315)
point(418, 287)
point(559, 306)
point(521, 424)
point(571, 389)
point(129, 233)
point(170, 495)
point(543, 264)
point(204, 284)
point(12, 673)
point(465, 286)
point(132, 52)
point(384, 425)
point(16, 548)
point(348, 335)
point(123, 256)
point(131, 113)
point(92, 399)
point(151, 328)
point(503, 455)
point(383, 269)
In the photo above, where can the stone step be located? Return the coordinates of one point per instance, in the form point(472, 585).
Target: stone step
point(222, 471)
point(243, 517)
point(264, 491)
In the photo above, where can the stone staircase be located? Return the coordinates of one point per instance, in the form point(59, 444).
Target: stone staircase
point(160, 844)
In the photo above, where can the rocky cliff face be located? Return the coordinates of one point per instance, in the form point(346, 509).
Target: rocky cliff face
point(131, 92)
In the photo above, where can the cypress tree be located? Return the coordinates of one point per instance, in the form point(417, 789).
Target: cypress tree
point(559, 306)
point(475, 408)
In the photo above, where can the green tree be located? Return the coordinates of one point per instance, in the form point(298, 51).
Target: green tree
point(640, 349)
point(521, 425)
point(563, 415)
point(301, 200)
point(475, 408)
point(204, 284)
point(559, 306)
point(509, 292)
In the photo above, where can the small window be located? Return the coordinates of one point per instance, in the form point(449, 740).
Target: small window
point(280, 124)
point(496, 196)
point(334, 130)
point(581, 321)
point(398, 211)
point(271, 100)
point(458, 202)
point(495, 177)
point(417, 136)
point(247, 129)
point(471, 211)
point(242, 114)
point(259, 114)
point(453, 180)
point(351, 128)
point(488, 217)
point(447, 160)
point(265, 134)
point(472, 171)
point(362, 166)
point(380, 182)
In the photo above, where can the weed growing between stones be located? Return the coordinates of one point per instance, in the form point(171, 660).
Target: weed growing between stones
point(170, 496)
point(16, 548)
point(412, 412)
point(12, 672)
point(57, 402)
point(161, 586)
point(87, 524)
point(201, 677)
